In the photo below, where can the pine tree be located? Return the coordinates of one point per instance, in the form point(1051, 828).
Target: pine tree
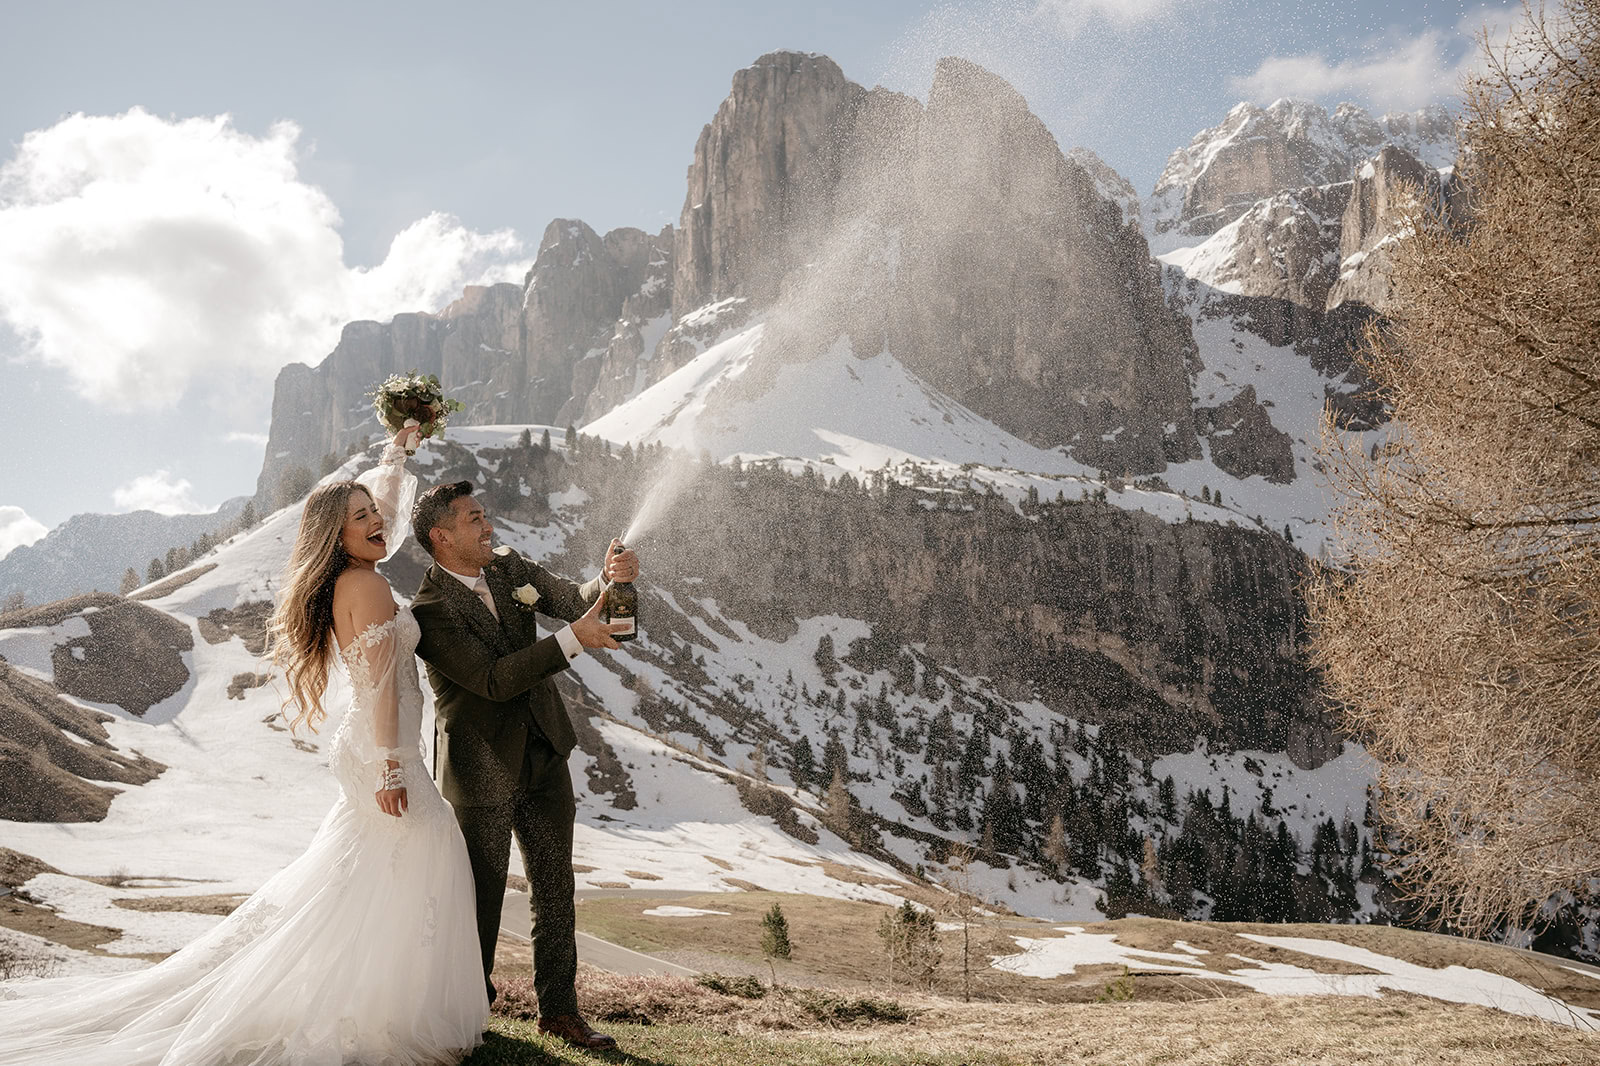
point(824, 657)
point(155, 571)
point(910, 938)
point(803, 763)
point(572, 440)
point(775, 939)
point(247, 516)
point(525, 440)
point(544, 440)
point(130, 581)
point(1167, 799)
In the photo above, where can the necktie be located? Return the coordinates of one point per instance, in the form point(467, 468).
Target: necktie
point(481, 587)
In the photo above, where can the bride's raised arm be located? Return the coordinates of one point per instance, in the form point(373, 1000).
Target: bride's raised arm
point(394, 490)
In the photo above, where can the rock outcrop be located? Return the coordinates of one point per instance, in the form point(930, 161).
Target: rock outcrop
point(957, 234)
point(511, 353)
point(1284, 247)
point(1020, 292)
point(764, 172)
point(1369, 228)
point(1161, 632)
point(56, 759)
point(1243, 440)
point(1256, 152)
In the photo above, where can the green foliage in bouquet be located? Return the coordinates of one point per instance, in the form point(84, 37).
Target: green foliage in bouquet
point(414, 395)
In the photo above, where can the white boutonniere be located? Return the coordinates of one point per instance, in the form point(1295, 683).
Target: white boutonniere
point(526, 595)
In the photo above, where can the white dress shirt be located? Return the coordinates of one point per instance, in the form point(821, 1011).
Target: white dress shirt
point(565, 637)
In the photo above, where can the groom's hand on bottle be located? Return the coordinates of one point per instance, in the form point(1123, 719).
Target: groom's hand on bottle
point(593, 633)
point(623, 566)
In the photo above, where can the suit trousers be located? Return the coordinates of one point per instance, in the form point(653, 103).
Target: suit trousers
point(540, 814)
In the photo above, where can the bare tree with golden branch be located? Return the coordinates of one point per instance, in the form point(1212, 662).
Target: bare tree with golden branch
point(1460, 624)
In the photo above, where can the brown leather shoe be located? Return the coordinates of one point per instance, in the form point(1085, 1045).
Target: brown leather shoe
point(575, 1031)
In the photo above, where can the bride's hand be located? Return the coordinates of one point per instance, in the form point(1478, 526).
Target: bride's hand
point(409, 437)
point(392, 801)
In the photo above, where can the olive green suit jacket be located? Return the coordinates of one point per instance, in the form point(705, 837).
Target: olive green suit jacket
point(493, 687)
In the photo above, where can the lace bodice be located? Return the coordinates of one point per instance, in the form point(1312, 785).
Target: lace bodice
point(384, 719)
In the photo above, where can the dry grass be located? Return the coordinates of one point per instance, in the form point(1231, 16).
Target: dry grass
point(173, 583)
point(664, 1021)
point(247, 621)
point(836, 943)
point(25, 916)
point(221, 905)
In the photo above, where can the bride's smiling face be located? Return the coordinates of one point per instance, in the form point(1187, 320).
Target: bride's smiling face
point(363, 535)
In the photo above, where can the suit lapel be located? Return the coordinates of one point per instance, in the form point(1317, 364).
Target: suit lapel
point(469, 607)
point(511, 611)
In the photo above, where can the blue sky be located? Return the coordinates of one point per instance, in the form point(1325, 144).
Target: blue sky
point(337, 160)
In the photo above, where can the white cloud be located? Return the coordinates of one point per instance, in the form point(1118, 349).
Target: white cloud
point(141, 255)
point(240, 437)
point(158, 492)
point(17, 528)
point(1424, 69)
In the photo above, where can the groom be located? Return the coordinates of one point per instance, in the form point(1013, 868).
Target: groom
point(502, 733)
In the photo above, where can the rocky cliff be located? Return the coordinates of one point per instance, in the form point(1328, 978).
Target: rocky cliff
point(958, 235)
point(1369, 227)
point(763, 175)
point(1160, 631)
point(1256, 152)
point(536, 352)
point(1021, 293)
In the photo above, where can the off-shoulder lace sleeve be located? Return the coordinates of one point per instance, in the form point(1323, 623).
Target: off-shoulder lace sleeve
point(372, 659)
point(393, 489)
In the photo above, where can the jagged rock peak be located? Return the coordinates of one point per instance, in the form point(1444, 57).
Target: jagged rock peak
point(1368, 229)
point(763, 167)
point(957, 79)
point(1110, 184)
point(1255, 152)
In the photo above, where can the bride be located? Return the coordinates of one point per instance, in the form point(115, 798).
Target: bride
point(365, 948)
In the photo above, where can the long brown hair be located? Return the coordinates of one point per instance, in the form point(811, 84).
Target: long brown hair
point(301, 629)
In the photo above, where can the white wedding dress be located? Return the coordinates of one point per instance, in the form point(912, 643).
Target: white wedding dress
point(363, 950)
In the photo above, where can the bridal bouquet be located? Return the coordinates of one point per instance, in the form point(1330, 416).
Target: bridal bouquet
point(413, 397)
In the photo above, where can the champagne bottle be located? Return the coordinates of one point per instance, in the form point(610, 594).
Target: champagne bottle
point(622, 605)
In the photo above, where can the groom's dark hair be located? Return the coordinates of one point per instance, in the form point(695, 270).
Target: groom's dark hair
point(433, 507)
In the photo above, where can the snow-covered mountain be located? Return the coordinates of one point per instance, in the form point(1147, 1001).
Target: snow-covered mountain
point(707, 747)
point(1256, 152)
point(93, 551)
point(965, 519)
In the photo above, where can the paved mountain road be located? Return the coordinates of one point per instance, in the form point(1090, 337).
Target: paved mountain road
point(602, 954)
